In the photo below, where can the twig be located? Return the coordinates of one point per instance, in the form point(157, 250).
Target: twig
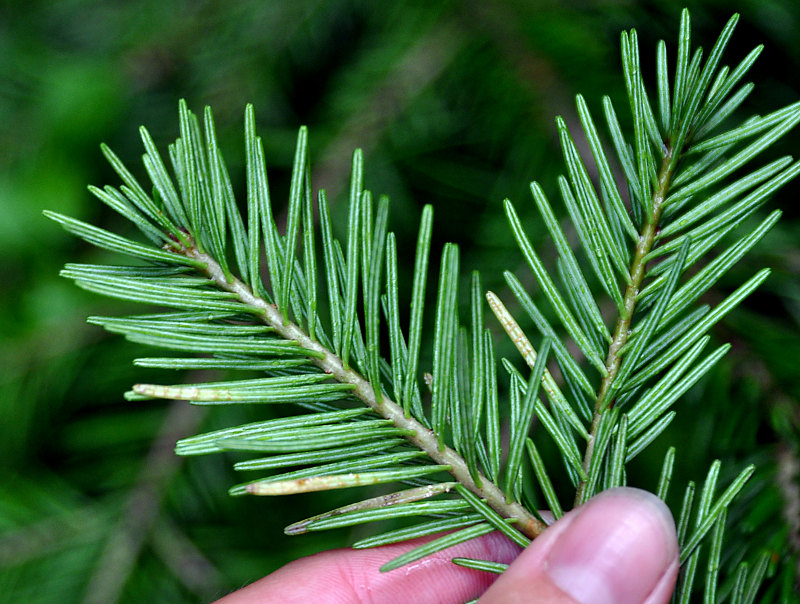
point(141, 509)
point(622, 331)
point(421, 437)
point(187, 562)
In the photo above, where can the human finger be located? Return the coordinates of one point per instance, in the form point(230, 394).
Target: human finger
point(619, 548)
point(352, 576)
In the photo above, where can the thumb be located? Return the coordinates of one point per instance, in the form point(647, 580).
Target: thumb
point(619, 548)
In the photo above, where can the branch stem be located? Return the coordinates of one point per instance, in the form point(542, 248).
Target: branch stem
point(623, 328)
point(330, 363)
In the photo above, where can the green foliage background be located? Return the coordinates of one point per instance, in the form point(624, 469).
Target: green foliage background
point(453, 103)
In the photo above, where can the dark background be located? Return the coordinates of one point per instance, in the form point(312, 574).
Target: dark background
point(453, 104)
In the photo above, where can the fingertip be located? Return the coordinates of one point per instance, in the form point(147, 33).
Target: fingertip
point(619, 548)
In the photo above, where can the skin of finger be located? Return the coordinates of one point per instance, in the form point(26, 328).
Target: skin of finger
point(352, 576)
point(518, 580)
point(547, 593)
point(526, 582)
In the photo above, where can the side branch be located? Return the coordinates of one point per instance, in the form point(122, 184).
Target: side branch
point(622, 330)
point(421, 437)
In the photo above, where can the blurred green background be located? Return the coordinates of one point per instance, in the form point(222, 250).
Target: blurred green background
point(453, 104)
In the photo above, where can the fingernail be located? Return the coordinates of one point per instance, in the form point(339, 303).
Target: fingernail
point(616, 551)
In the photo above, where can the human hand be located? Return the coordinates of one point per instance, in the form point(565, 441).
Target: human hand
point(619, 548)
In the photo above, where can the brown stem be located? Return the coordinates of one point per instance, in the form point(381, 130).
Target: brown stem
point(421, 437)
point(142, 508)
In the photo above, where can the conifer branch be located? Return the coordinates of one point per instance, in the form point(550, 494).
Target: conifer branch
point(623, 328)
point(651, 359)
point(417, 434)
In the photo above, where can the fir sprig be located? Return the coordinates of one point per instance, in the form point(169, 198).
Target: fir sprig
point(306, 309)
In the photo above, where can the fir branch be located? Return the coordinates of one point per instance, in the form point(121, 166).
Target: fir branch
point(420, 436)
point(681, 206)
point(622, 330)
point(673, 151)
